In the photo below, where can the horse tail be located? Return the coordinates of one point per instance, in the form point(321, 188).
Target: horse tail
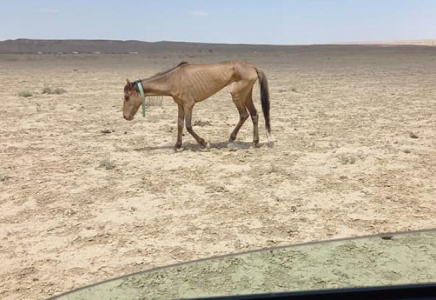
point(264, 98)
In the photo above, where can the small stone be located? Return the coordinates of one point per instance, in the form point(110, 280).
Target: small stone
point(413, 135)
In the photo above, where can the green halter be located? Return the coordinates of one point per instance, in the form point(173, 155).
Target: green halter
point(141, 91)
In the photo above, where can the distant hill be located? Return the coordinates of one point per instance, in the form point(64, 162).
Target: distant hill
point(398, 43)
point(27, 46)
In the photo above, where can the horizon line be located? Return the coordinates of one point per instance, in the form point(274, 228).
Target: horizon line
point(418, 42)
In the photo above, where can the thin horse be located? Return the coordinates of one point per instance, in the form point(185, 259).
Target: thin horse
point(189, 83)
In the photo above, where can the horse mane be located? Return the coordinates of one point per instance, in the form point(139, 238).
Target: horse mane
point(160, 73)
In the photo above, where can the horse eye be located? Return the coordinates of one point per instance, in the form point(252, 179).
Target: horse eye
point(126, 98)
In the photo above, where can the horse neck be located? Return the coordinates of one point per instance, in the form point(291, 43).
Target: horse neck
point(158, 86)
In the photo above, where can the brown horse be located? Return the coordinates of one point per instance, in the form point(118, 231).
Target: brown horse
point(189, 83)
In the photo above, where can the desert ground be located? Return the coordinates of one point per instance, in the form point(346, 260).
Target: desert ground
point(86, 195)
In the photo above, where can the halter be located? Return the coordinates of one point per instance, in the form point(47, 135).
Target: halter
point(141, 91)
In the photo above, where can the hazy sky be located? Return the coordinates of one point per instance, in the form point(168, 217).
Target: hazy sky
point(220, 21)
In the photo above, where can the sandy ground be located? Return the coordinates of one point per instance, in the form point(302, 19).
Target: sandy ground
point(355, 140)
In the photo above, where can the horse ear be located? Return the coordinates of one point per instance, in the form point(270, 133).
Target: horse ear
point(129, 83)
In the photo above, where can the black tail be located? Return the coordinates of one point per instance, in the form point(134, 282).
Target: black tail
point(264, 98)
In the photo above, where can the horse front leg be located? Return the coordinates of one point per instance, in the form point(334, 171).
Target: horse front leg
point(180, 123)
point(188, 117)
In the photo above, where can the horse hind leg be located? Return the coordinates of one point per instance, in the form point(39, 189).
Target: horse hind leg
point(243, 116)
point(254, 116)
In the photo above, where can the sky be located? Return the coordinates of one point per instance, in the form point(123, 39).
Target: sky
point(282, 22)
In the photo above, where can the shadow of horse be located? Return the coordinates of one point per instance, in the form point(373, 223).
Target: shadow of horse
point(200, 148)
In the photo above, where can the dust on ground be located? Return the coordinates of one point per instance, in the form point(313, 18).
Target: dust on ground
point(87, 196)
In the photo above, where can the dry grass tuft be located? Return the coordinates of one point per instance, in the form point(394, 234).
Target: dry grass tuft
point(53, 91)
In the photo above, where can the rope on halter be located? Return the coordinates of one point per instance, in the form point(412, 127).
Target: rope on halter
point(141, 91)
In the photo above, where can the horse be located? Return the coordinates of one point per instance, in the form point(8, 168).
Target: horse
point(190, 83)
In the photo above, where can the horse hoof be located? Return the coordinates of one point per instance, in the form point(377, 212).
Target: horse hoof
point(203, 143)
point(232, 146)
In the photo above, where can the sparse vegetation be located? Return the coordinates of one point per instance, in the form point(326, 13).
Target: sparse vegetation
point(107, 164)
point(25, 94)
point(274, 169)
point(53, 91)
point(4, 177)
point(348, 159)
point(216, 188)
point(202, 123)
